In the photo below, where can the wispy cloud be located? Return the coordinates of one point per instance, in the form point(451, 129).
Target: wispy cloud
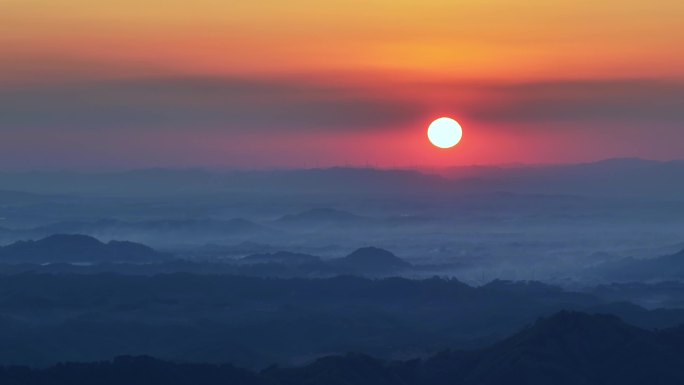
point(221, 103)
point(292, 105)
point(599, 101)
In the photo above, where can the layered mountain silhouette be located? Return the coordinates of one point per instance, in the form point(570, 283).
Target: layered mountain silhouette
point(363, 261)
point(187, 227)
point(568, 348)
point(255, 321)
point(73, 248)
point(576, 348)
point(668, 267)
point(371, 259)
point(610, 177)
point(621, 176)
point(149, 231)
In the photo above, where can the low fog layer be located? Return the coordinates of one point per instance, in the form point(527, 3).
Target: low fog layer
point(564, 224)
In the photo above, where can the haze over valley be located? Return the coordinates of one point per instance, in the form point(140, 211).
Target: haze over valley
point(341, 192)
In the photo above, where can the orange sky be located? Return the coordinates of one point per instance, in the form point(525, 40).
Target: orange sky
point(430, 39)
point(435, 56)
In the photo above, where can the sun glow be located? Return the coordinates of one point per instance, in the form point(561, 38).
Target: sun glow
point(445, 133)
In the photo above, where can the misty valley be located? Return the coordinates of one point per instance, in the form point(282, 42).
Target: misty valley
point(341, 192)
point(518, 275)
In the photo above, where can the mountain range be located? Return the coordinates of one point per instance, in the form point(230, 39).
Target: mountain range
point(567, 348)
point(628, 269)
point(621, 176)
point(74, 248)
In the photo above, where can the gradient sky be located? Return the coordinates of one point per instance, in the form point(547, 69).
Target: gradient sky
point(146, 83)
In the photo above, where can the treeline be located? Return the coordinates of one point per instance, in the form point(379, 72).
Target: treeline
point(567, 348)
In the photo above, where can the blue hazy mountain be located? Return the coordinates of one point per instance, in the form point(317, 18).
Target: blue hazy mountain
point(366, 261)
point(567, 348)
point(622, 176)
point(667, 267)
point(157, 231)
point(68, 248)
point(619, 177)
point(281, 286)
point(371, 259)
point(253, 321)
point(186, 226)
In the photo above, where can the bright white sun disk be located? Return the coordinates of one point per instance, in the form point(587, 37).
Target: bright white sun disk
point(445, 133)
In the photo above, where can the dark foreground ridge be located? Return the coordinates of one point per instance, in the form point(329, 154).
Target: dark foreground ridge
point(253, 322)
point(565, 349)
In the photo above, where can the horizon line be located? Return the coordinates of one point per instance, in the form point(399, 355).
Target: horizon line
point(350, 166)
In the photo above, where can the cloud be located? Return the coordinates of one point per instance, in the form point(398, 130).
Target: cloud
point(617, 101)
point(222, 103)
point(291, 105)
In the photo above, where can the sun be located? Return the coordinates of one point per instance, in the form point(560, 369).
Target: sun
point(445, 132)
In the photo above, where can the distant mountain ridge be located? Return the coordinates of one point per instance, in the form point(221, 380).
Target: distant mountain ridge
point(147, 231)
point(667, 267)
point(75, 248)
point(160, 225)
point(622, 176)
point(362, 262)
point(371, 259)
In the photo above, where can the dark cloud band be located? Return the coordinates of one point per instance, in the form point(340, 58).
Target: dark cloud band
point(232, 104)
point(290, 105)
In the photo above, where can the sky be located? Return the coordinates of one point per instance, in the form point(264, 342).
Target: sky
point(281, 84)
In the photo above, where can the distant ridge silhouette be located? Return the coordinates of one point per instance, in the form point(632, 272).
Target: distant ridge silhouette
point(371, 259)
point(666, 267)
point(76, 248)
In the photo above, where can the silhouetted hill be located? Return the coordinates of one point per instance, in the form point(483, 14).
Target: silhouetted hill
point(368, 261)
point(201, 228)
point(163, 232)
point(571, 348)
point(371, 259)
point(352, 369)
point(253, 322)
point(669, 294)
point(668, 267)
point(140, 370)
point(611, 177)
point(567, 348)
point(61, 248)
